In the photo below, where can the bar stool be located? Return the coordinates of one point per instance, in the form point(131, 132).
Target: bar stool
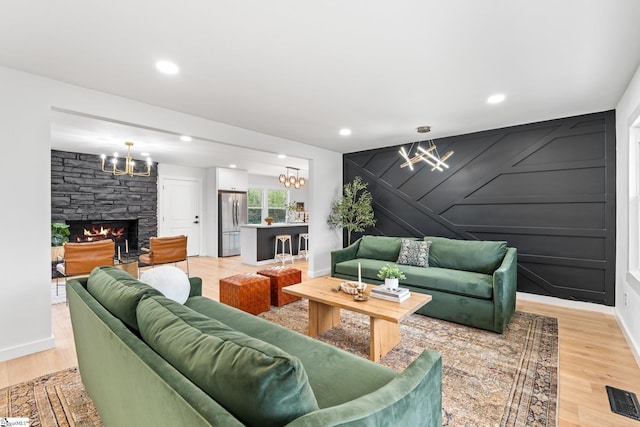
point(283, 256)
point(305, 251)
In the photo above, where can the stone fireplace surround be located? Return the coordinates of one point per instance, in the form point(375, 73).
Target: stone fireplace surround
point(80, 191)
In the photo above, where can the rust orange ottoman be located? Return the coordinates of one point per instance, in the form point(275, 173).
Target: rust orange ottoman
point(279, 277)
point(249, 292)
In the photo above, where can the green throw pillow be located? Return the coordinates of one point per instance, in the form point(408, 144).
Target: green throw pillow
point(118, 292)
point(379, 247)
point(414, 252)
point(255, 381)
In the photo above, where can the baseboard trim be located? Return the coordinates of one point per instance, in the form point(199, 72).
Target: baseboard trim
point(26, 349)
point(579, 305)
point(319, 273)
point(635, 350)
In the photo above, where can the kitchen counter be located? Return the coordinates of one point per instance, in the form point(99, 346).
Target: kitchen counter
point(257, 241)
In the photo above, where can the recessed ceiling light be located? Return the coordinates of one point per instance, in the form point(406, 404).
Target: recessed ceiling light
point(185, 138)
point(233, 166)
point(167, 67)
point(282, 156)
point(496, 99)
point(144, 154)
point(345, 132)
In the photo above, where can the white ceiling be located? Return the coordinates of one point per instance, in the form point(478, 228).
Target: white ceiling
point(84, 134)
point(302, 70)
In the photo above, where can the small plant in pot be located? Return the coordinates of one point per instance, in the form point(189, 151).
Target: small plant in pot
point(391, 275)
point(59, 236)
point(269, 220)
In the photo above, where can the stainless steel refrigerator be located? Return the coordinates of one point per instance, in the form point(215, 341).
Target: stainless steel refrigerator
point(232, 213)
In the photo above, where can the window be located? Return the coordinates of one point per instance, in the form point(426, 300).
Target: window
point(254, 204)
point(262, 203)
point(277, 205)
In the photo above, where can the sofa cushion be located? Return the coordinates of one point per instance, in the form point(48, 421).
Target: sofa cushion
point(414, 252)
point(257, 382)
point(481, 256)
point(379, 247)
point(467, 283)
point(356, 377)
point(460, 282)
point(118, 292)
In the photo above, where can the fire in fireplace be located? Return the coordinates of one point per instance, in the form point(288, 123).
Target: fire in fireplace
point(123, 232)
point(93, 234)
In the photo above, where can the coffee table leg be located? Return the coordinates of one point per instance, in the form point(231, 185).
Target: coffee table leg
point(322, 317)
point(384, 335)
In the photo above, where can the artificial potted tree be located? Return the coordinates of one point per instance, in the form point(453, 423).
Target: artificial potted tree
point(59, 236)
point(353, 210)
point(391, 275)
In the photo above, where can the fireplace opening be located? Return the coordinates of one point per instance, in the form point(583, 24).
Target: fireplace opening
point(123, 232)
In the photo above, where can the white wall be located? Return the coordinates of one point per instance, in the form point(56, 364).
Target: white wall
point(26, 201)
point(25, 107)
point(627, 215)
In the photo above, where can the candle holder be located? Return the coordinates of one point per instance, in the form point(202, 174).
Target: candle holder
point(360, 296)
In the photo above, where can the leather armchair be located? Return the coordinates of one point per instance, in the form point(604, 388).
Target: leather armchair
point(82, 258)
point(164, 250)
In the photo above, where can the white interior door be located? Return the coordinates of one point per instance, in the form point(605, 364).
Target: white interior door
point(181, 211)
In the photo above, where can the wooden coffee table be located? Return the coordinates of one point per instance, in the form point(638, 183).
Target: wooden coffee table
point(384, 316)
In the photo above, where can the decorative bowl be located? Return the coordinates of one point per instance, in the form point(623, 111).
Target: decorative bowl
point(351, 288)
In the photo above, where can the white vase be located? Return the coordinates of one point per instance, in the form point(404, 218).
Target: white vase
point(391, 283)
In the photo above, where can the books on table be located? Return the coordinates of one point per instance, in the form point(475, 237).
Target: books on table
point(397, 294)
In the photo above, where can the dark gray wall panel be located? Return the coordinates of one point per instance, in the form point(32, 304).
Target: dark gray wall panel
point(546, 188)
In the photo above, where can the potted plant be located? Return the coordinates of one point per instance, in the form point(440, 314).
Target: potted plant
point(269, 220)
point(391, 275)
point(353, 209)
point(59, 236)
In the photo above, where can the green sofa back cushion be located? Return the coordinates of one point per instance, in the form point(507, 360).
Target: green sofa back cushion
point(379, 247)
point(118, 292)
point(257, 382)
point(481, 256)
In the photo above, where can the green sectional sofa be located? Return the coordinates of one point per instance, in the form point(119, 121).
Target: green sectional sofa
point(471, 282)
point(146, 360)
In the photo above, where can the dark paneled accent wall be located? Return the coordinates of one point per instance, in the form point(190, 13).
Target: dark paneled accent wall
point(81, 191)
point(546, 188)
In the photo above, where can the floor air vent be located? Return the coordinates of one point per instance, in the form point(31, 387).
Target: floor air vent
point(624, 403)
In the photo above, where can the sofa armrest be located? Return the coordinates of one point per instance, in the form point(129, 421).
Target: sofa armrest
point(505, 284)
point(413, 398)
point(345, 254)
point(196, 287)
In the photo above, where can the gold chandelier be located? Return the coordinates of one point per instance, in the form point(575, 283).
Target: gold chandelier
point(129, 164)
point(289, 180)
point(428, 155)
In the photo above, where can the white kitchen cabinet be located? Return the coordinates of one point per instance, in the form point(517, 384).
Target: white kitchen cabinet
point(232, 179)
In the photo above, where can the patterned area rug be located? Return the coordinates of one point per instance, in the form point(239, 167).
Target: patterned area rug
point(54, 400)
point(488, 379)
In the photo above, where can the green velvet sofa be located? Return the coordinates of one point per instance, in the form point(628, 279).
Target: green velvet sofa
point(146, 360)
point(472, 282)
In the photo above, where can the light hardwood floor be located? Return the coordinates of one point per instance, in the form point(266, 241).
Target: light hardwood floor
point(593, 352)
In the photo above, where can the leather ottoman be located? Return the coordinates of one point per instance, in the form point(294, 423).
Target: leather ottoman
point(249, 292)
point(279, 277)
